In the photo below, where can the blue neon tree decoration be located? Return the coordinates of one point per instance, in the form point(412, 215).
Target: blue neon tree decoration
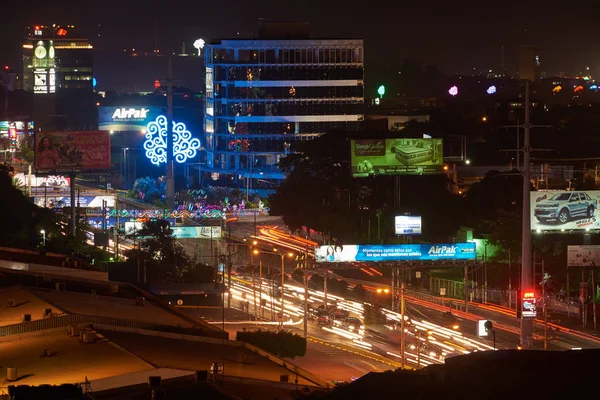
point(184, 145)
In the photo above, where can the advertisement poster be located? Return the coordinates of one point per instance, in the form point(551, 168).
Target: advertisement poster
point(395, 252)
point(405, 156)
point(529, 305)
point(83, 201)
point(72, 151)
point(127, 119)
point(583, 256)
point(563, 210)
point(408, 225)
point(196, 232)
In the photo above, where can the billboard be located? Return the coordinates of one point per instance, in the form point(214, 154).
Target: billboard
point(196, 232)
point(583, 256)
point(83, 201)
point(395, 252)
point(564, 210)
point(127, 118)
point(406, 156)
point(72, 151)
point(408, 225)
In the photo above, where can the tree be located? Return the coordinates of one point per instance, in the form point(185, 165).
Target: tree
point(21, 220)
point(163, 253)
point(149, 190)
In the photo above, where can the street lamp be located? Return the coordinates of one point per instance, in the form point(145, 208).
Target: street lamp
point(282, 255)
point(43, 232)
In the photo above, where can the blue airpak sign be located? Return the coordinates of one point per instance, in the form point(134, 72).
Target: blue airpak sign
point(396, 252)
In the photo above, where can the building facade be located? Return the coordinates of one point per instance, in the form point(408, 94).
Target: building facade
point(262, 96)
point(56, 57)
point(58, 69)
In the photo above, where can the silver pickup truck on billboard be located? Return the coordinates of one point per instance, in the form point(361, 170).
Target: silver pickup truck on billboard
point(564, 210)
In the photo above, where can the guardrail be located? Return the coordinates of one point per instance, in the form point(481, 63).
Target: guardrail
point(72, 319)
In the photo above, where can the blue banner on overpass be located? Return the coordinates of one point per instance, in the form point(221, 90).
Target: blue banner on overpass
point(396, 252)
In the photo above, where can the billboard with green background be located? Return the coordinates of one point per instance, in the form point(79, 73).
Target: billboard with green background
point(405, 156)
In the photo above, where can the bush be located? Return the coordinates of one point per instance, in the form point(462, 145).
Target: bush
point(282, 343)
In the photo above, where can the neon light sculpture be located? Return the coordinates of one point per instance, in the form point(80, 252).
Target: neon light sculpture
point(453, 91)
point(199, 45)
point(491, 90)
point(184, 145)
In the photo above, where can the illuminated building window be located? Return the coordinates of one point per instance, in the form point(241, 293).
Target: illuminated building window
point(210, 107)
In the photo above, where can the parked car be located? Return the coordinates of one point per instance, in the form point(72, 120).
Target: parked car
point(565, 206)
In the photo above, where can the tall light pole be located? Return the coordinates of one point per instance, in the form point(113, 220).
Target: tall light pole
point(169, 171)
point(526, 278)
point(282, 255)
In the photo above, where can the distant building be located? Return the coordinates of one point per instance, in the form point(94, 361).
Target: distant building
point(58, 70)
point(264, 95)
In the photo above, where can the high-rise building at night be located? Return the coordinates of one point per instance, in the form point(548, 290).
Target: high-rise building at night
point(58, 69)
point(263, 95)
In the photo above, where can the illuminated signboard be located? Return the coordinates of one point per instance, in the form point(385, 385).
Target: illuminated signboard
point(196, 232)
point(583, 256)
point(396, 252)
point(72, 151)
point(564, 210)
point(126, 118)
point(184, 145)
point(408, 225)
point(528, 305)
point(403, 156)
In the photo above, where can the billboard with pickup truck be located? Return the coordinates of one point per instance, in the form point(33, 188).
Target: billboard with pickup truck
point(564, 210)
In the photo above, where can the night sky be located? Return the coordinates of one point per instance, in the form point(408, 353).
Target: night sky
point(456, 38)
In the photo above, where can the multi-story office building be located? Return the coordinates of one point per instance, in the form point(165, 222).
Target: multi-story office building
point(264, 95)
point(56, 57)
point(58, 69)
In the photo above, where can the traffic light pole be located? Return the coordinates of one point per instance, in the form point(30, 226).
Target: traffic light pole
point(526, 271)
point(170, 172)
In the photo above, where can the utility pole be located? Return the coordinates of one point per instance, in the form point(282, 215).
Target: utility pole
point(73, 209)
point(305, 275)
point(526, 266)
point(418, 348)
point(526, 324)
point(253, 288)
point(509, 281)
point(260, 289)
point(402, 336)
point(117, 228)
point(545, 308)
point(169, 171)
point(325, 290)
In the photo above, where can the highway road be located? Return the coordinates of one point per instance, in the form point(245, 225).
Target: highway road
point(440, 336)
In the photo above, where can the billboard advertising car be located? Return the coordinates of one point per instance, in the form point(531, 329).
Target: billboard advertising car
point(395, 252)
point(127, 118)
point(74, 151)
point(408, 225)
point(564, 210)
point(405, 156)
point(583, 256)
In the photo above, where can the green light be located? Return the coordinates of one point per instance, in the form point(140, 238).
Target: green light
point(381, 91)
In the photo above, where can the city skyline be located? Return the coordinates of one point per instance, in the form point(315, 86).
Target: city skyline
point(455, 39)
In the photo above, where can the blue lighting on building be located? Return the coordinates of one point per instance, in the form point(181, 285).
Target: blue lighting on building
point(184, 145)
point(94, 82)
point(491, 90)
